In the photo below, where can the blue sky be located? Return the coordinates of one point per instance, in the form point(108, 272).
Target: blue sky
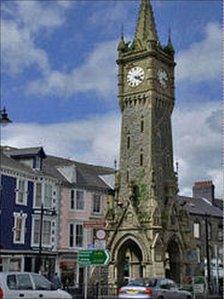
point(59, 78)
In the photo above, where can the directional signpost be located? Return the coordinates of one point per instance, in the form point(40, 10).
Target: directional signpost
point(93, 257)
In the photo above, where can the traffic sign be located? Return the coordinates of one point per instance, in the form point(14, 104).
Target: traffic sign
point(93, 257)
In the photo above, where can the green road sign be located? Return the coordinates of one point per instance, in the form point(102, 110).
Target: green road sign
point(93, 257)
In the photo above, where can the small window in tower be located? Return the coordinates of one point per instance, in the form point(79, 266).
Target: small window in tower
point(142, 125)
point(127, 177)
point(128, 142)
point(141, 159)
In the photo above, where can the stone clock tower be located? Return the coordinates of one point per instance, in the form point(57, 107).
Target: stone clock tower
point(147, 230)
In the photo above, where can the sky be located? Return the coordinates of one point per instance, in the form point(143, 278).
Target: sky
point(59, 79)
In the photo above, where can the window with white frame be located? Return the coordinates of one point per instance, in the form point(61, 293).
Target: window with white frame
point(96, 203)
point(197, 230)
point(79, 200)
point(46, 232)
point(75, 235)
point(38, 195)
point(19, 228)
point(48, 195)
point(21, 191)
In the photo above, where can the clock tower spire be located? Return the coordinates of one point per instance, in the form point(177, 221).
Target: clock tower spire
point(146, 29)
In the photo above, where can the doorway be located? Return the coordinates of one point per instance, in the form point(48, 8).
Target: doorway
point(172, 261)
point(129, 262)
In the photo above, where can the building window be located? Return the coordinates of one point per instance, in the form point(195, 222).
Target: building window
point(71, 235)
point(197, 230)
point(48, 196)
point(38, 195)
point(209, 231)
point(75, 235)
point(128, 142)
point(96, 203)
point(198, 253)
point(46, 232)
point(220, 232)
point(19, 228)
point(79, 235)
point(21, 192)
point(141, 159)
point(72, 202)
point(79, 200)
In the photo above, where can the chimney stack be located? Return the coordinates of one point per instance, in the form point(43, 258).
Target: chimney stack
point(204, 189)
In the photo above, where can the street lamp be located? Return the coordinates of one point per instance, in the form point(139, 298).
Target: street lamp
point(4, 119)
point(42, 211)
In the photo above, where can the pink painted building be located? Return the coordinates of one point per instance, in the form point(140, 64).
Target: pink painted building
point(83, 200)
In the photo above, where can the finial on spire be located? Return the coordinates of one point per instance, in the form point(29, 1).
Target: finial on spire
point(122, 30)
point(121, 45)
point(169, 36)
point(146, 28)
point(169, 48)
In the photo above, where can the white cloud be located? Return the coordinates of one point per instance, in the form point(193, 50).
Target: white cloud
point(202, 60)
point(21, 23)
point(197, 144)
point(94, 140)
point(97, 74)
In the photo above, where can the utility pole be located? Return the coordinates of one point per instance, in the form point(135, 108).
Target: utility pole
point(207, 253)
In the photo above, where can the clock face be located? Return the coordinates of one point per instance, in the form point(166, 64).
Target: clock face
point(135, 76)
point(163, 78)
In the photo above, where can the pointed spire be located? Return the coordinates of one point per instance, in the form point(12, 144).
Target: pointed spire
point(169, 48)
point(121, 45)
point(146, 29)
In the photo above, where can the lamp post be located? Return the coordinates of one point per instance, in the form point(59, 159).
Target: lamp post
point(4, 119)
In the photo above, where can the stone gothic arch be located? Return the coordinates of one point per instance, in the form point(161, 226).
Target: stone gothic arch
point(129, 255)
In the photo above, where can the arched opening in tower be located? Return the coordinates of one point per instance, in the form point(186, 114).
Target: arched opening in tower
point(129, 262)
point(172, 261)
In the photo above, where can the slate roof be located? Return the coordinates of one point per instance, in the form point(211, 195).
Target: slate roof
point(20, 152)
point(88, 176)
point(6, 161)
point(200, 206)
